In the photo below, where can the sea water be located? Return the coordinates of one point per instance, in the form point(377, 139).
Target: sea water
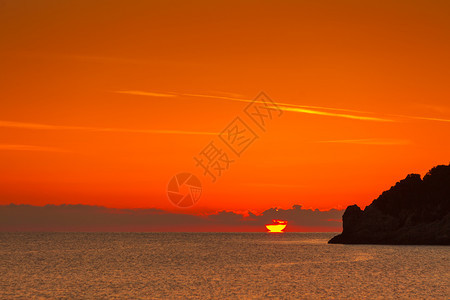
point(215, 265)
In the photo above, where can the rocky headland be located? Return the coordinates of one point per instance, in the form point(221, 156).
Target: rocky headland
point(415, 211)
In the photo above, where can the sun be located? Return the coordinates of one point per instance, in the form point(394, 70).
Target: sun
point(276, 226)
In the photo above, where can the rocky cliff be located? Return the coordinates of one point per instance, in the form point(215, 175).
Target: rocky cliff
point(413, 212)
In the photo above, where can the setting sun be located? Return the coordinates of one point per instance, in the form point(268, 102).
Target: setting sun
point(277, 226)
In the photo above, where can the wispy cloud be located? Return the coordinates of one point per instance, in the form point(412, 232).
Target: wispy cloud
point(331, 114)
point(425, 118)
point(150, 94)
point(29, 148)
point(373, 141)
point(278, 103)
point(305, 109)
point(277, 185)
point(38, 126)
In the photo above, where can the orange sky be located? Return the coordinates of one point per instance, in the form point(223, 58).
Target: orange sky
point(102, 102)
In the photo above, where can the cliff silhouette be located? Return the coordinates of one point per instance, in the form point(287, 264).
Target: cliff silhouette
point(413, 212)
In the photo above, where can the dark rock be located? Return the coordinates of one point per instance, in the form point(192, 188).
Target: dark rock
point(413, 212)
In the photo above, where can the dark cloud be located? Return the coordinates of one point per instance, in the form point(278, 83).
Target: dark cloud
point(97, 218)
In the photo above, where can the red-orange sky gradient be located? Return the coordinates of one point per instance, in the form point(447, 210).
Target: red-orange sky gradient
point(102, 102)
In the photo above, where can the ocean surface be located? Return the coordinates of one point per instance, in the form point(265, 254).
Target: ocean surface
point(215, 265)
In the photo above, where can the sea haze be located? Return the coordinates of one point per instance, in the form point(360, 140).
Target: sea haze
point(215, 265)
